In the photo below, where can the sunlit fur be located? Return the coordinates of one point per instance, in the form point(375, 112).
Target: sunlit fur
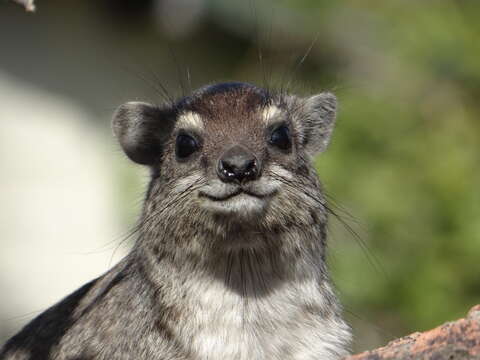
point(190, 120)
point(215, 276)
point(270, 113)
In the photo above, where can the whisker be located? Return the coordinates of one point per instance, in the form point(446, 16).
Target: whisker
point(342, 209)
point(175, 200)
point(302, 60)
point(382, 331)
point(372, 259)
point(258, 42)
point(156, 85)
point(146, 222)
point(178, 68)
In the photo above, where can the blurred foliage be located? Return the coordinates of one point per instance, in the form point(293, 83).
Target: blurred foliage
point(404, 160)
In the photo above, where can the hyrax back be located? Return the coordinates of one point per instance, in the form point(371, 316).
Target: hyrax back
point(230, 257)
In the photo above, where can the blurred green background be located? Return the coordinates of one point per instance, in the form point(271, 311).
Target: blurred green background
point(403, 166)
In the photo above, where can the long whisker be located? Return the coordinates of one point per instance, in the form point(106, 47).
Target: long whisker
point(175, 200)
point(146, 221)
point(259, 43)
point(342, 209)
point(381, 330)
point(292, 189)
point(372, 259)
point(302, 60)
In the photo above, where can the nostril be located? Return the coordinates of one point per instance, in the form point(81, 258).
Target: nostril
point(250, 165)
point(250, 170)
point(226, 170)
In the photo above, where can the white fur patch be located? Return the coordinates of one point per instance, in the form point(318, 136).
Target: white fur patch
point(280, 171)
point(190, 120)
point(270, 113)
point(241, 205)
point(227, 326)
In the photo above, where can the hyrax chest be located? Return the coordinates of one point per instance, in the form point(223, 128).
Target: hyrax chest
point(223, 324)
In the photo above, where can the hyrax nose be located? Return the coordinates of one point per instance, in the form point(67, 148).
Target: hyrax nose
point(238, 164)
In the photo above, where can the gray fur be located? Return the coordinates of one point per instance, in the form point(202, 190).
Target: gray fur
point(141, 129)
point(243, 278)
point(319, 123)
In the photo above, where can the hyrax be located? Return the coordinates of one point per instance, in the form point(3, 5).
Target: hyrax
point(229, 262)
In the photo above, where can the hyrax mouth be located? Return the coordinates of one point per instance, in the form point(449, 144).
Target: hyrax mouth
point(236, 193)
point(238, 202)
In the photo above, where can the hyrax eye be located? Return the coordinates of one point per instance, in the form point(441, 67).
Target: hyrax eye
point(280, 138)
point(185, 146)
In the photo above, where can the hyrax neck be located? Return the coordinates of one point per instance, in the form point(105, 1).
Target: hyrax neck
point(246, 261)
point(252, 302)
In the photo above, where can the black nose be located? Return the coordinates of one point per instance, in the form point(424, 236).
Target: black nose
point(238, 164)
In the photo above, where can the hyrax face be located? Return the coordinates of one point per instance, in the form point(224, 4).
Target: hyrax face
point(236, 150)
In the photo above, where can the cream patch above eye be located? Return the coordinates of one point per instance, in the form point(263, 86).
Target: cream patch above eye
point(190, 120)
point(270, 113)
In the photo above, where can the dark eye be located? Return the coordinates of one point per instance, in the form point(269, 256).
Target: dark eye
point(280, 138)
point(185, 146)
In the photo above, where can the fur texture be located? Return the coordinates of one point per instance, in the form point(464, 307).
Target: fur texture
point(219, 270)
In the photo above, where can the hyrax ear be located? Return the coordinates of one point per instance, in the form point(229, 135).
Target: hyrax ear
point(142, 130)
point(318, 121)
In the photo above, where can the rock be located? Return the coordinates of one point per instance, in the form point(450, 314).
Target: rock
point(451, 341)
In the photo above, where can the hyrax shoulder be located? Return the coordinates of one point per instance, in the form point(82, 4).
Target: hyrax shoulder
point(229, 261)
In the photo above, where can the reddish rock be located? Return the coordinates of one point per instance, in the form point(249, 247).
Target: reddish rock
point(451, 341)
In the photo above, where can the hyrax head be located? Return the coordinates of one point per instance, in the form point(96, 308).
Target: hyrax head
point(230, 150)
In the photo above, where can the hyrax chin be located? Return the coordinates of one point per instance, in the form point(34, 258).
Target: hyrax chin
point(229, 262)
